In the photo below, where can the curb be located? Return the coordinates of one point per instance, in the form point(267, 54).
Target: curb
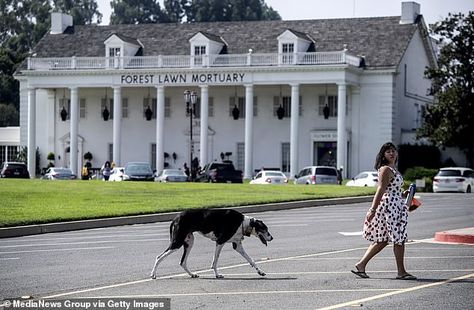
point(465, 235)
point(18, 231)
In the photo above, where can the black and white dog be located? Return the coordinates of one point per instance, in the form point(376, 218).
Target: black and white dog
point(219, 225)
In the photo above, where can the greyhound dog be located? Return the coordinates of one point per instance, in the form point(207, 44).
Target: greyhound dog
point(219, 225)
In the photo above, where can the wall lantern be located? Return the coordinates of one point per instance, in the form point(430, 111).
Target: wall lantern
point(148, 113)
point(280, 111)
point(326, 107)
point(235, 112)
point(175, 156)
point(63, 114)
point(105, 112)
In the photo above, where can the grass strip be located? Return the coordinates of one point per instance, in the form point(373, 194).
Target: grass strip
point(25, 202)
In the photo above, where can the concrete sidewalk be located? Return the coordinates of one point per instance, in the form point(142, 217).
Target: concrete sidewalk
point(18, 231)
point(465, 235)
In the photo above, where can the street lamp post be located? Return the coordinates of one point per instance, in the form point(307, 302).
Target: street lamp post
point(190, 97)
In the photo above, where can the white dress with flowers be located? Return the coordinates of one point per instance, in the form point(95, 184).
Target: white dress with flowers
point(390, 221)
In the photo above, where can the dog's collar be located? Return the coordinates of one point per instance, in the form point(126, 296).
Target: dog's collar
point(246, 228)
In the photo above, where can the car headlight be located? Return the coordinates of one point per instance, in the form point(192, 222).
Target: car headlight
point(125, 177)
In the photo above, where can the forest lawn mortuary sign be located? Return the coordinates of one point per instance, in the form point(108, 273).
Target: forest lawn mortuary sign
point(183, 78)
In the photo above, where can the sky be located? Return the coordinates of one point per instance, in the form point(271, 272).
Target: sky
point(432, 10)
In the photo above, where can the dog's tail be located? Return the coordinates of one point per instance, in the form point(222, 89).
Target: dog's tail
point(173, 226)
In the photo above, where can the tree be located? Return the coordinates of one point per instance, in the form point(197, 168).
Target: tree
point(22, 24)
point(8, 115)
point(136, 12)
point(450, 122)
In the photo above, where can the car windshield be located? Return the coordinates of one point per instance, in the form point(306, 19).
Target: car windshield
point(138, 168)
point(326, 171)
point(274, 174)
point(449, 173)
point(174, 172)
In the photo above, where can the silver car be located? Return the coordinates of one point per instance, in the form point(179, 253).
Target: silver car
point(172, 175)
point(317, 175)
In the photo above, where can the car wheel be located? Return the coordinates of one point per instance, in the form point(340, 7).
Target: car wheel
point(468, 189)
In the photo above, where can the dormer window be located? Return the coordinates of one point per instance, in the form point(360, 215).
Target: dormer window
point(287, 50)
point(114, 51)
point(199, 51)
point(292, 42)
point(120, 46)
point(205, 44)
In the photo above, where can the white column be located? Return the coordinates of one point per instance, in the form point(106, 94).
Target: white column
point(32, 132)
point(295, 102)
point(204, 124)
point(341, 128)
point(355, 131)
point(117, 134)
point(248, 132)
point(74, 131)
point(160, 129)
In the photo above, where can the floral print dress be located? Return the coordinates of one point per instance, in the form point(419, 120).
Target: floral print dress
point(390, 221)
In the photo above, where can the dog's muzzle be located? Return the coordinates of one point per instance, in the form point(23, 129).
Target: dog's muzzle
point(265, 237)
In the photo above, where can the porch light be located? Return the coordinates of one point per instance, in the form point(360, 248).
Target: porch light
point(235, 112)
point(148, 113)
point(326, 111)
point(280, 112)
point(63, 114)
point(105, 112)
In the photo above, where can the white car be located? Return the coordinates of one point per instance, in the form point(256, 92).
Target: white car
point(117, 174)
point(172, 175)
point(454, 179)
point(365, 178)
point(55, 173)
point(270, 177)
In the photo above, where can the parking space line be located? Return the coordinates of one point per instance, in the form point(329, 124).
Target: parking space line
point(59, 250)
point(86, 237)
point(402, 291)
point(81, 242)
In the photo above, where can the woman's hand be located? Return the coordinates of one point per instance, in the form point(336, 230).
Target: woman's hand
point(370, 215)
point(405, 193)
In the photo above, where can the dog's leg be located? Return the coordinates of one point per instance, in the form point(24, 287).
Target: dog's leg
point(239, 248)
point(188, 244)
point(216, 258)
point(159, 258)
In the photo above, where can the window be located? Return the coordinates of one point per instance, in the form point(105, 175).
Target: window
point(332, 105)
point(240, 156)
point(241, 106)
point(111, 152)
point(287, 51)
point(114, 51)
point(285, 157)
point(153, 156)
point(285, 102)
point(199, 50)
point(124, 107)
point(82, 108)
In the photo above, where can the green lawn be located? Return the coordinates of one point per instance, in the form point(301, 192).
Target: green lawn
point(40, 201)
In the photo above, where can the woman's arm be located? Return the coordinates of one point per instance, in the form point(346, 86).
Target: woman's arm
point(385, 176)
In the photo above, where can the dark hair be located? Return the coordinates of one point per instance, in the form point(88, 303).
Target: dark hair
point(380, 160)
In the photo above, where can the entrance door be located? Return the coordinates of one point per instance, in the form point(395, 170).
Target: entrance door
point(325, 153)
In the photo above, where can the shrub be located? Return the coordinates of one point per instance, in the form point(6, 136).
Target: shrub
point(418, 155)
point(88, 156)
point(50, 156)
point(412, 174)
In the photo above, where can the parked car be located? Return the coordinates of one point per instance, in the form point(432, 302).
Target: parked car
point(55, 173)
point(138, 171)
point(220, 173)
point(270, 177)
point(365, 178)
point(454, 179)
point(117, 174)
point(14, 170)
point(317, 175)
point(172, 175)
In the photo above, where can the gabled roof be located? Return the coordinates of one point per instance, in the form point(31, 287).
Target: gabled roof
point(211, 37)
point(300, 35)
point(382, 40)
point(125, 39)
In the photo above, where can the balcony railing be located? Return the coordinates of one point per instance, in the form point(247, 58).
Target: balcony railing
point(187, 61)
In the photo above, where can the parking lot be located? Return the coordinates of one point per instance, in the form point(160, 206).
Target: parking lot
point(307, 265)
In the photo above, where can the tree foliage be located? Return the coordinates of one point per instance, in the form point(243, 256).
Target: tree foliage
point(450, 122)
point(136, 12)
point(22, 24)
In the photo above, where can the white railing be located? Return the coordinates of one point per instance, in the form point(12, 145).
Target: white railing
point(186, 61)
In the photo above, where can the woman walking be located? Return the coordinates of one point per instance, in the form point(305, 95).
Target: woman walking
point(386, 220)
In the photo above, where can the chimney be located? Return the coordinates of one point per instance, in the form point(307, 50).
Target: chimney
point(410, 11)
point(59, 22)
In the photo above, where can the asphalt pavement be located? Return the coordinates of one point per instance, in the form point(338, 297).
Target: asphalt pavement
point(308, 263)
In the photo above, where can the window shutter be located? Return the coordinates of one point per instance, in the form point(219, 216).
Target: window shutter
point(154, 107)
point(276, 105)
point(300, 106)
point(255, 106)
point(211, 107)
point(124, 107)
point(82, 108)
point(167, 107)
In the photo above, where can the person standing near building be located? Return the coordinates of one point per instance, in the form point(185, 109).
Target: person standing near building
point(106, 169)
point(386, 220)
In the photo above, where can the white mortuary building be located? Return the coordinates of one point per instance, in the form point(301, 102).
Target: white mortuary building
point(283, 94)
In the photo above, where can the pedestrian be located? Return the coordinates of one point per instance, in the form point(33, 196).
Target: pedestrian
point(186, 169)
point(386, 220)
point(106, 169)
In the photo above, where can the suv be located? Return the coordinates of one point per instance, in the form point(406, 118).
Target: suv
point(454, 179)
point(317, 175)
point(14, 170)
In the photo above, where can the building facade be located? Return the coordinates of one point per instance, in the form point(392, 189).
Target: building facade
point(284, 94)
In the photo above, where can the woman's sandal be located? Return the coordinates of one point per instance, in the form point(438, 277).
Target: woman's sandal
point(406, 277)
point(361, 274)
